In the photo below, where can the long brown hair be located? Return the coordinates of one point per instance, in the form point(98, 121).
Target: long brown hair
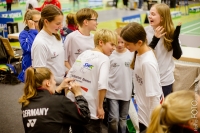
point(164, 12)
point(133, 32)
point(49, 12)
point(33, 80)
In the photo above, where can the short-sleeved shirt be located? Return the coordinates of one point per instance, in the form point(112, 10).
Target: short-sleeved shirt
point(91, 70)
point(146, 84)
point(47, 51)
point(76, 43)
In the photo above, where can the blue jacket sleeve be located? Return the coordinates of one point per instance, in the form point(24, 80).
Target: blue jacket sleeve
point(26, 39)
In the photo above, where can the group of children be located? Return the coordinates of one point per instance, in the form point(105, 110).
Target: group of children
point(102, 63)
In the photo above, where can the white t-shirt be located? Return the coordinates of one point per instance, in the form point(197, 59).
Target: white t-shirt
point(76, 43)
point(120, 76)
point(91, 70)
point(146, 84)
point(164, 58)
point(34, 3)
point(47, 51)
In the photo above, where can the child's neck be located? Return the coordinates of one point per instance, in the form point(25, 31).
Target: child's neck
point(121, 51)
point(84, 32)
point(144, 48)
point(98, 49)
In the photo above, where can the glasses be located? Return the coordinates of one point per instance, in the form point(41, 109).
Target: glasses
point(35, 21)
point(92, 19)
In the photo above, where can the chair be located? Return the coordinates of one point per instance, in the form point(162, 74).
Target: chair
point(121, 24)
point(10, 51)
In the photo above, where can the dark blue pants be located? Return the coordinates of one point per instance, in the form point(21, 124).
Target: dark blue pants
point(167, 90)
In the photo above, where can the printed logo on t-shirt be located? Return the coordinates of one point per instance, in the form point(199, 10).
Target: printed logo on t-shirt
point(31, 122)
point(79, 51)
point(86, 67)
point(54, 55)
point(139, 80)
point(127, 64)
point(114, 65)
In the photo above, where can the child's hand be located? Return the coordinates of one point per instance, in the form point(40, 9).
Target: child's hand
point(31, 24)
point(159, 32)
point(177, 31)
point(179, 23)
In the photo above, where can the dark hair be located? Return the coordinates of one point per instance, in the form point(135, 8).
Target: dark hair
point(49, 12)
point(133, 32)
point(33, 80)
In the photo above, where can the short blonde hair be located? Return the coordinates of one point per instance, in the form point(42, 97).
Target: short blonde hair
point(105, 35)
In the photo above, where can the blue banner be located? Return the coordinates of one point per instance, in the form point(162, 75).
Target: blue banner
point(133, 18)
point(15, 14)
point(3, 24)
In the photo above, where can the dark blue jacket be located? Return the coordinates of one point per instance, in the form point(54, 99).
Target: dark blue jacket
point(26, 38)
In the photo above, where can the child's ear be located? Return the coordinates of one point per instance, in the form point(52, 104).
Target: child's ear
point(100, 43)
point(85, 22)
point(140, 42)
point(46, 21)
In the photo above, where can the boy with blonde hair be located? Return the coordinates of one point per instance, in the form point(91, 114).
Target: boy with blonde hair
point(81, 39)
point(120, 86)
point(91, 70)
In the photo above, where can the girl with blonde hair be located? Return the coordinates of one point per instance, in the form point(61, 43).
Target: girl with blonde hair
point(168, 45)
point(26, 38)
point(177, 114)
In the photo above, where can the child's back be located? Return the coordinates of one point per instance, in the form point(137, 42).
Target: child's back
point(90, 70)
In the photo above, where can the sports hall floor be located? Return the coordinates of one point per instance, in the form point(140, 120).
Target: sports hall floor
point(10, 113)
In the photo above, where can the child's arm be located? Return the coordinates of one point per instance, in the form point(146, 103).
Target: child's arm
point(177, 52)
point(67, 65)
point(152, 84)
point(67, 48)
point(158, 34)
point(153, 103)
point(102, 85)
point(100, 110)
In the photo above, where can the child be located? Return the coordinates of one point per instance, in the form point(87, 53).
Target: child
point(80, 40)
point(47, 49)
point(168, 46)
point(148, 91)
point(91, 70)
point(175, 114)
point(26, 38)
point(70, 27)
point(120, 87)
